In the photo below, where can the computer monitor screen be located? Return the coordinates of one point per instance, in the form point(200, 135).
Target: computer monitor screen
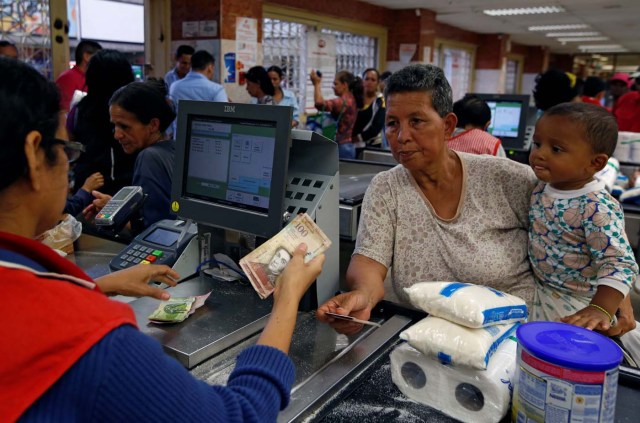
point(508, 118)
point(231, 165)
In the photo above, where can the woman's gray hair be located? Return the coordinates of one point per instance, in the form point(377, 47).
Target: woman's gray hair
point(425, 78)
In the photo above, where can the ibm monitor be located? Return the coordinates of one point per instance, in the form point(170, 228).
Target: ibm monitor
point(231, 165)
point(508, 118)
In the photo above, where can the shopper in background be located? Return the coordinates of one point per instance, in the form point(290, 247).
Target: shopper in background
point(367, 130)
point(89, 124)
point(470, 135)
point(182, 67)
point(627, 111)
point(281, 96)
point(593, 91)
point(554, 87)
point(75, 79)
point(344, 109)
point(259, 86)
point(618, 86)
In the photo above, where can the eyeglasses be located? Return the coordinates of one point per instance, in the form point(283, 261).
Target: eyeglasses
point(73, 150)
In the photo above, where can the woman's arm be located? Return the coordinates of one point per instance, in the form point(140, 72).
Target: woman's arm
point(316, 80)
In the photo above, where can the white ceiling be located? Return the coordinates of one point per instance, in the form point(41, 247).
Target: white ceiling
point(619, 20)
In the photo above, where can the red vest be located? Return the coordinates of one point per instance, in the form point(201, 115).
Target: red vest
point(50, 320)
point(475, 141)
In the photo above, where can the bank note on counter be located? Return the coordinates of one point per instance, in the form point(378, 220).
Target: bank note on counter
point(177, 309)
point(264, 264)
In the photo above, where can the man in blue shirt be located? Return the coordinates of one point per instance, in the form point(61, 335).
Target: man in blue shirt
point(197, 85)
point(182, 67)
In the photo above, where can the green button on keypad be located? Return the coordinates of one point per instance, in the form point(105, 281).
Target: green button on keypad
point(157, 253)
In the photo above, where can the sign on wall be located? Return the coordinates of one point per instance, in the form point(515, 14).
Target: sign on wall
point(321, 55)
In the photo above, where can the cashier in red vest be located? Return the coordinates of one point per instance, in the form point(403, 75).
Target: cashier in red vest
point(69, 353)
point(627, 109)
point(74, 79)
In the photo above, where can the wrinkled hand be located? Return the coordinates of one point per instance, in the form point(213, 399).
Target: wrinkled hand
point(100, 200)
point(134, 281)
point(353, 303)
point(315, 79)
point(589, 318)
point(297, 276)
point(93, 182)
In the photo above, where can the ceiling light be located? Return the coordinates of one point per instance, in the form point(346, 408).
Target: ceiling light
point(574, 34)
point(602, 48)
point(558, 27)
point(540, 10)
point(581, 39)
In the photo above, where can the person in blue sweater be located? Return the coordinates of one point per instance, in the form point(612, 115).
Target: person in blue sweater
point(71, 354)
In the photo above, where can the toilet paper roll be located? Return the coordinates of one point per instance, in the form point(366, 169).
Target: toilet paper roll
point(462, 393)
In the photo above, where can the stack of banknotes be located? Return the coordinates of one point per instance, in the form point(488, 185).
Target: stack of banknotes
point(264, 264)
point(177, 309)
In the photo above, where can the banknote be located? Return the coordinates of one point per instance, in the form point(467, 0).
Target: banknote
point(177, 309)
point(264, 264)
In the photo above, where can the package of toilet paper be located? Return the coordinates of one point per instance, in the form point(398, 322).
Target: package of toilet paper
point(464, 394)
point(474, 306)
point(455, 344)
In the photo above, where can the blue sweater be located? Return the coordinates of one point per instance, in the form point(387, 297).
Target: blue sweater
point(127, 377)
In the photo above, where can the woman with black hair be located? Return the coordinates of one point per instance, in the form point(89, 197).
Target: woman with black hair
point(141, 115)
point(283, 97)
point(554, 87)
point(259, 86)
point(344, 109)
point(370, 122)
point(69, 353)
point(88, 123)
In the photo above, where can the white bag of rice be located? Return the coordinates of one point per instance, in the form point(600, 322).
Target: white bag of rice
point(474, 306)
point(458, 345)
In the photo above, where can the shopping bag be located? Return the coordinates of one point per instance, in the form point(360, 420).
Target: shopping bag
point(324, 124)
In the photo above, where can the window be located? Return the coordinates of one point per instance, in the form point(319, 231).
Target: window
point(283, 44)
point(355, 53)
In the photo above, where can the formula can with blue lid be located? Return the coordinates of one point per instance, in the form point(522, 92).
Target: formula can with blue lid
point(564, 373)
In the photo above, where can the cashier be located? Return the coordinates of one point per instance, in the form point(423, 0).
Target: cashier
point(439, 216)
point(70, 353)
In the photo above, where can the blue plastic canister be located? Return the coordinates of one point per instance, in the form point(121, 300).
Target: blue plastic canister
point(564, 373)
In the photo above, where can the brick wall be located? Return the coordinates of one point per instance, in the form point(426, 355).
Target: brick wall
point(344, 9)
point(192, 10)
point(563, 62)
point(403, 28)
point(231, 9)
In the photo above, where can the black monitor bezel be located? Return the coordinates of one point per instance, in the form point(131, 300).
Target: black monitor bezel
point(222, 215)
point(512, 143)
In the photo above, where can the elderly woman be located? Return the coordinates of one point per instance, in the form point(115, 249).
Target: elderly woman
point(70, 353)
point(439, 215)
point(141, 115)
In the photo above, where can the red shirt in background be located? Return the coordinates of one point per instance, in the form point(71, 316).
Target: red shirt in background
point(475, 141)
point(627, 112)
point(69, 81)
point(591, 100)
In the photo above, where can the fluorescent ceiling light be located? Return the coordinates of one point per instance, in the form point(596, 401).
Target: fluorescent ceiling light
point(581, 39)
point(564, 27)
point(540, 10)
point(603, 48)
point(574, 34)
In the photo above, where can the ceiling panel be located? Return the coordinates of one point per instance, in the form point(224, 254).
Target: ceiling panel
point(619, 20)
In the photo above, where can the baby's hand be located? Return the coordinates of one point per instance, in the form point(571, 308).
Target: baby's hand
point(93, 182)
point(590, 318)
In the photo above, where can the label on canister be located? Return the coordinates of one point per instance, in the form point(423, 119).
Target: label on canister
point(564, 374)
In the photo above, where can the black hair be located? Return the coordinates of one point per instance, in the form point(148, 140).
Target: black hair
point(599, 125)
point(473, 111)
point(355, 86)
point(108, 70)
point(146, 100)
point(553, 87)
point(28, 102)
point(201, 59)
point(277, 70)
point(86, 46)
point(384, 75)
point(367, 70)
point(425, 78)
point(593, 86)
point(184, 49)
point(259, 75)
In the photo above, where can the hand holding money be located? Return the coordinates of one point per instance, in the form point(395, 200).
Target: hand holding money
point(264, 264)
point(177, 309)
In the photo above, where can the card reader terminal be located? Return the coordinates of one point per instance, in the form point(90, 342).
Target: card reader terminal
point(120, 207)
point(160, 243)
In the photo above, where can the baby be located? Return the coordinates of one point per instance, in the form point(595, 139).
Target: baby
point(579, 252)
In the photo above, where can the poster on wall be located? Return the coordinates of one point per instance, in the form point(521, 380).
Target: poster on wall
point(190, 29)
point(246, 46)
point(406, 52)
point(321, 56)
point(230, 67)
